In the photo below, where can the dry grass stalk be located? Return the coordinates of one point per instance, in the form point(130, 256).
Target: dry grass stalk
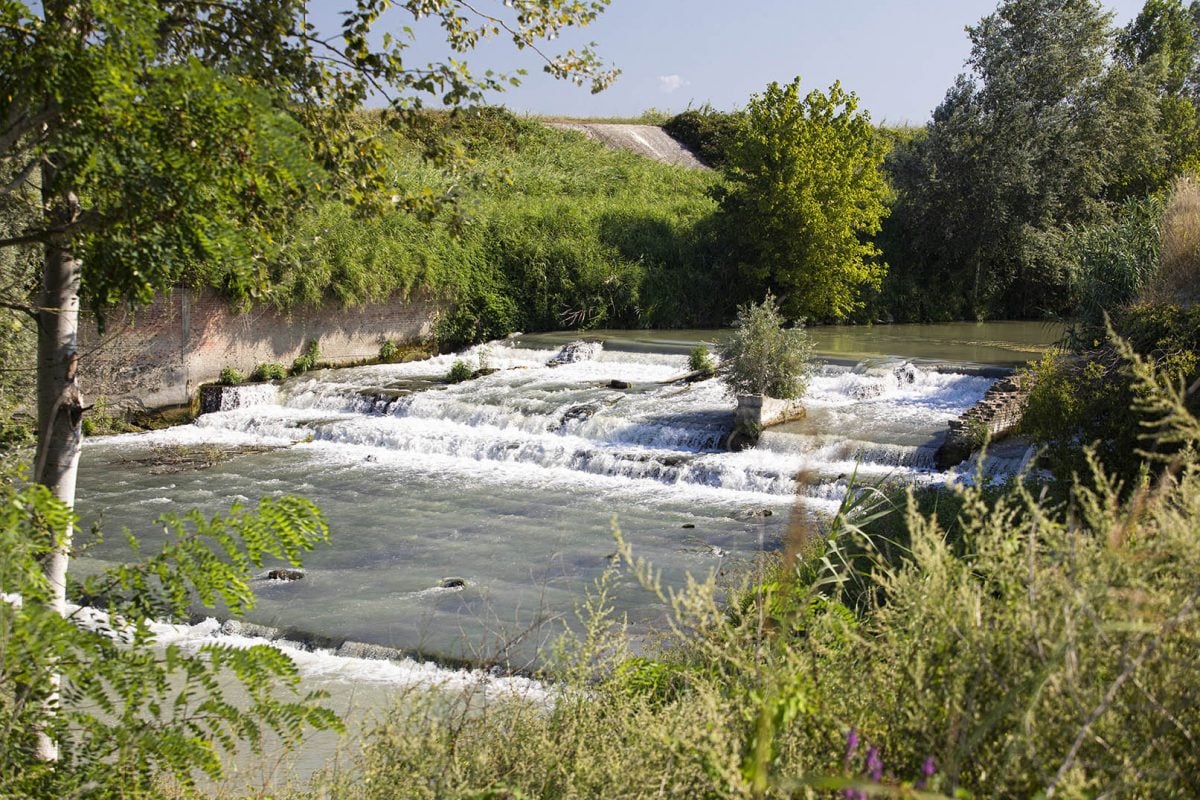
point(1178, 277)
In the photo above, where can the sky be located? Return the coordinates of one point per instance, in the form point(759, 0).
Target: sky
point(899, 56)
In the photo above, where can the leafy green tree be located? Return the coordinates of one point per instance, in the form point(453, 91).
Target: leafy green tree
point(804, 195)
point(1163, 43)
point(1044, 132)
point(153, 143)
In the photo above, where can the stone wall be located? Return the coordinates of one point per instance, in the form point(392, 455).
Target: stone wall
point(998, 413)
point(159, 355)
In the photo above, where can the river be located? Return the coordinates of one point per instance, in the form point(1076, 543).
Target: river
point(511, 484)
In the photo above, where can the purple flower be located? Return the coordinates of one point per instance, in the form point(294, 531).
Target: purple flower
point(928, 767)
point(874, 764)
point(851, 745)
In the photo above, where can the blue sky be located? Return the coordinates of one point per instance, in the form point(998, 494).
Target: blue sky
point(899, 56)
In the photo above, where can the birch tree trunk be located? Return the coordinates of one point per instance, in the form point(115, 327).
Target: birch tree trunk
point(60, 405)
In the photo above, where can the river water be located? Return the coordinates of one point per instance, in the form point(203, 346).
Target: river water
point(511, 484)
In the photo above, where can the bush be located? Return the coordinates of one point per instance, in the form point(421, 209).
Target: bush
point(762, 357)
point(705, 131)
point(460, 371)
point(230, 377)
point(1087, 399)
point(388, 351)
point(269, 371)
point(308, 359)
point(699, 360)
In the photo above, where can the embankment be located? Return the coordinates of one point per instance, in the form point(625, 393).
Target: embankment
point(158, 355)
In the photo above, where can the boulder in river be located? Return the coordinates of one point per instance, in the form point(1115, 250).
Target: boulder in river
point(616, 384)
point(453, 583)
point(285, 575)
point(576, 351)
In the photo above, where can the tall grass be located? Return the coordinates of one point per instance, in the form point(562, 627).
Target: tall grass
point(1178, 278)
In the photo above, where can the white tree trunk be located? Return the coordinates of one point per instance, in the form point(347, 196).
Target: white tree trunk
point(60, 407)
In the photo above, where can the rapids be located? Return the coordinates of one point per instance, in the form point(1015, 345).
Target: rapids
point(511, 484)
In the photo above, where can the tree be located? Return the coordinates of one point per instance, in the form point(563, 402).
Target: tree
point(1044, 132)
point(1163, 43)
point(805, 192)
point(159, 142)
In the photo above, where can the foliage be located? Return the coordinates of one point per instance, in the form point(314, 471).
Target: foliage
point(459, 371)
point(230, 377)
point(1113, 263)
point(1091, 399)
point(804, 192)
point(578, 236)
point(705, 131)
point(269, 371)
point(307, 359)
point(700, 360)
point(763, 357)
point(1045, 133)
point(1163, 44)
point(133, 712)
point(1030, 650)
point(388, 351)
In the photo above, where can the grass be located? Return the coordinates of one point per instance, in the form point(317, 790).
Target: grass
point(1178, 278)
point(561, 233)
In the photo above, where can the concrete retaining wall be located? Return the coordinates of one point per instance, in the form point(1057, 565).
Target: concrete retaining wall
point(159, 355)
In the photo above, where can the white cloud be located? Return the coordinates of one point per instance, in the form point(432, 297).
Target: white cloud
point(669, 83)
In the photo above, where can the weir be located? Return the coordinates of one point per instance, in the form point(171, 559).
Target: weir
point(512, 482)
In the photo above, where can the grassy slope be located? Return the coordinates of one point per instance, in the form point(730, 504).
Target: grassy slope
point(579, 236)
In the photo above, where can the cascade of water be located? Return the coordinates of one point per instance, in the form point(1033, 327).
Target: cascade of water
point(561, 413)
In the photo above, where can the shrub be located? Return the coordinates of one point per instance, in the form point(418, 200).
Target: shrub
point(308, 359)
point(269, 371)
point(699, 360)
point(763, 357)
point(388, 351)
point(705, 131)
point(230, 377)
point(460, 371)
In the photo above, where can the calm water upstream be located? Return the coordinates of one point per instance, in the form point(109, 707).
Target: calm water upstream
point(512, 482)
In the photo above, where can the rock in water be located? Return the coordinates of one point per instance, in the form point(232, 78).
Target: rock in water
point(616, 384)
point(453, 583)
point(576, 351)
point(285, 575)
point(906, 374)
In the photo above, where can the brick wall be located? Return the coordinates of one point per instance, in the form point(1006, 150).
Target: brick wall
point(159, 355)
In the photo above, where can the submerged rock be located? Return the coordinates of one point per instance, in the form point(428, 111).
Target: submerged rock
point(615, 384)
point(453, 583)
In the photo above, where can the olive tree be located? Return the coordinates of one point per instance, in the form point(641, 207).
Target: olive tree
point(762, 356)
